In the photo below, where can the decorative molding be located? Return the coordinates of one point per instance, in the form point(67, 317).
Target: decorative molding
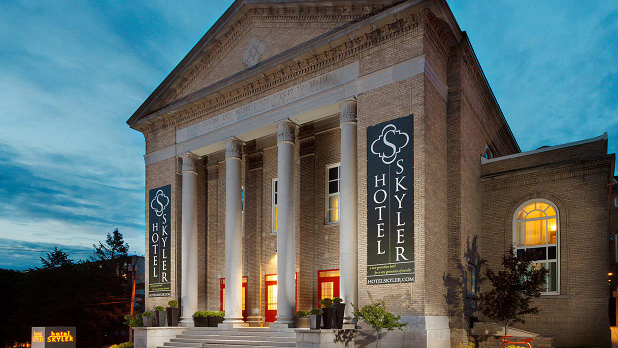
point(255, 160)
point(348, 111)
point(307, 145)
point(233, 149)
point(212, 172)
point(286, 132)
point(290, 73)
point(189, 162)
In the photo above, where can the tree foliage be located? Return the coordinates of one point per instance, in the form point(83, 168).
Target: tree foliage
point(92, 296)
point(379, 318)
point(514, 288)
point(113, 247)
point(56, 258)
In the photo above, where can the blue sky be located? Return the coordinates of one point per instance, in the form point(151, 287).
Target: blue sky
point(72, 72)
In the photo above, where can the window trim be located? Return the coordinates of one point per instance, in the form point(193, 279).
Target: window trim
point(273, 205)
point(558, 235)
point(327, 195)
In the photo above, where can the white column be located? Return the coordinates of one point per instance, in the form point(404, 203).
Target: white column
point(233, 233)
point(188, 298)
point(348, 224)
point(286, 246)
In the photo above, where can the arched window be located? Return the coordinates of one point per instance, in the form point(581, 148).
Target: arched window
point(536, 231)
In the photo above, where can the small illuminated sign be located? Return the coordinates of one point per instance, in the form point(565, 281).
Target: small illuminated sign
point(53, 337)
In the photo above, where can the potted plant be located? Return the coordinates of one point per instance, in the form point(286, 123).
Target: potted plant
point(327, 313)
point(215, 318)
point(339, 310)
point(301, 319)
point(147, 318)
point(160, 316)
point(200, 318)
point(173, 313)
point(315, 319)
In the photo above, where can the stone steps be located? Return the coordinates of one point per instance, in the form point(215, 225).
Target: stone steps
point(236, 338)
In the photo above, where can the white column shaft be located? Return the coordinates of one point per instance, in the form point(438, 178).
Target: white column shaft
point(286, 246)
point(189, 290)
point(233, 233)
point(348, 223)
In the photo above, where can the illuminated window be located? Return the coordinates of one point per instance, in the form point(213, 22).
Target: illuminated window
point(536, 231)
point(274, 205)
point(471, 279)
point(332, 193)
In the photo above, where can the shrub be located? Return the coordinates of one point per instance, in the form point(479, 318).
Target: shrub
point(337, 300)
point(326, 302)
point(216, 314)
point(315, 311)
point(201, 314)
point(123, 345)
point(173, 304)
point(159, 308)
point(147, 314)
point(302, 313)
point(133, 320)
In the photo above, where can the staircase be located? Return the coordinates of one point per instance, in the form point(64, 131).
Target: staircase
point(261, 337)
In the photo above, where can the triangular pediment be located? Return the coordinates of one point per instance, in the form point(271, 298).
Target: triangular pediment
point(248, 35)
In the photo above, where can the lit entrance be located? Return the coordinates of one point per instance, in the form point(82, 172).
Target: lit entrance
point(270, 283)
point(244, 296)
point(328, 284)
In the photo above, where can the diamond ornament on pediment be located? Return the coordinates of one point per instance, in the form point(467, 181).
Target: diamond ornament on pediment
point(252, 54)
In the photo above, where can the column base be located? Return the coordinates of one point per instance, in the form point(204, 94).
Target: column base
point(255, 321)
point(281, 326)
point(234, 325)
point(186, 322)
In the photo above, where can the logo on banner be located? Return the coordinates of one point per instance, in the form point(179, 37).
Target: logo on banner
point(389, 143)
point(159, 203)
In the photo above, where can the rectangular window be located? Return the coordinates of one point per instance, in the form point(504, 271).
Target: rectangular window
point(274, 206)
point(616, 202)
point(471, 279)
point(333, 188)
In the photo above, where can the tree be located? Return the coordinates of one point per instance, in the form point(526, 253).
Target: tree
point(513, 290)
point(56, 258)
point(113, 248)
point(379, 318)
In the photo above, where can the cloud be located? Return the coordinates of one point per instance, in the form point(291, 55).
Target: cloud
point(552, 68)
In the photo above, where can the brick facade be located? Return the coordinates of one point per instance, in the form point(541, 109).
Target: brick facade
point(463, 206)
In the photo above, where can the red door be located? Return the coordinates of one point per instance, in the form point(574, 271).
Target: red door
point(328, 284)
point(244, 297)
point(270, 284)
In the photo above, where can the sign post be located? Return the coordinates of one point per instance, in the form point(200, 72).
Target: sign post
point(390, 202)
point(159, 242)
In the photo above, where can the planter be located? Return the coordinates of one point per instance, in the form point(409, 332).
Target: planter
point(160, 318)
point(327, 318)
point(339, 309)
point(214, 321)
point(200, 321)
point(315, 321)
point(147, 320)
point(301, 322)
point(173, 315)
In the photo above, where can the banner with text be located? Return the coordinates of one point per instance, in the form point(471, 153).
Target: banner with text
point(390, 202)
point(159, 241)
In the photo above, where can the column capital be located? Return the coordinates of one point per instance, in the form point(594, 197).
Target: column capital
point(286, 132)
point(348, 111)
point(189, 162)
point(233, 149)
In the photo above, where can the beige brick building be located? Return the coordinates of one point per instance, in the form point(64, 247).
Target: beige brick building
point(263, 138)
